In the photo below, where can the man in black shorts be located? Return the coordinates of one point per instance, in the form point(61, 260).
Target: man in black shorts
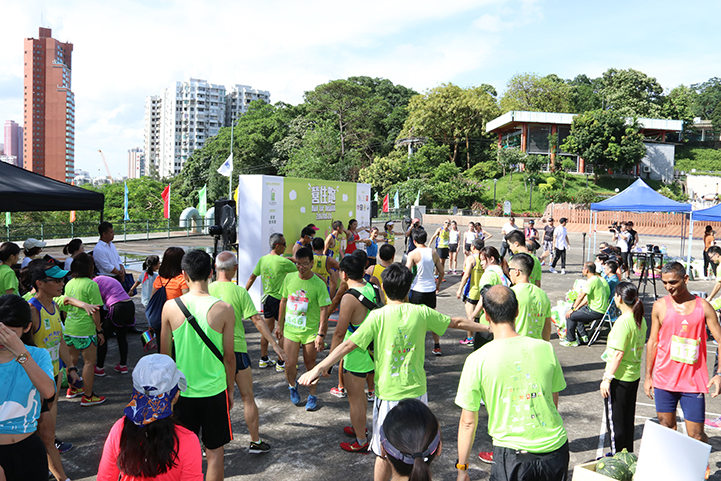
point(425, 285)
point(272, 269)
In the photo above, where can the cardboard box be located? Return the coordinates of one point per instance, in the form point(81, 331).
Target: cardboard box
point(587, 472)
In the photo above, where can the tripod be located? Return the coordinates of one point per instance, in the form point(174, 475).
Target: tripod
point(649, 265)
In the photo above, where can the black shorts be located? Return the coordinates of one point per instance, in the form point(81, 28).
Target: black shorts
point(371, 261)
point(26, 460)
point(358, 374)
point(424, 298)
point(442, 252)
point(271, 308)
point(242, 361)
point(467, 247)
point(453, 248)
point(209, 414)
point(473, 302)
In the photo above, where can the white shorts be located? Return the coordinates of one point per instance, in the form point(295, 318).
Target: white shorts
point(381, 409)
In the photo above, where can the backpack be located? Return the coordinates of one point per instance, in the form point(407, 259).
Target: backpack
point(154, 309)
point(370, 305)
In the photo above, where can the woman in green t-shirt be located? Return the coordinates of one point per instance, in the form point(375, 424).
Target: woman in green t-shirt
point(9, 256)
point(624, 349)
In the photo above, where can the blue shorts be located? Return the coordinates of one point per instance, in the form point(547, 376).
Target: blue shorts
point(242, 361)
point(693, 404)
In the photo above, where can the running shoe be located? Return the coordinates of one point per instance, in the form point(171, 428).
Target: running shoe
point(584, 339)
point(338, 391)
point(486, 456)
point(543, 263)
point(351, 432)
point(552, 270)
point(280, 367)
point(565, 343)
point(294, 396)
point(92, 400)
point(258, 448)
point(371, 395)
point(355, 447)
point(436, 351)
point(713, 423)
point(99, 371)
point(121, 369)
point(62, 447)
point(264, 363)
point(466, 341)
point(73, 392)
point(312, 403)
point(563, 272)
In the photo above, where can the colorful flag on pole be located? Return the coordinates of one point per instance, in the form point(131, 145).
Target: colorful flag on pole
point(227, 168)
point(166, 202)
point(418, 198)
point(203, 200)
point(72, 212)
point(386, 200)
point(8, 220)
point(396, 204)
point(126, 202)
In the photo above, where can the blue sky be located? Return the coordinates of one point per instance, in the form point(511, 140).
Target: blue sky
point(125, 51)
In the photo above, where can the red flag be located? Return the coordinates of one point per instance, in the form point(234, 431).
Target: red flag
point(385, 203)
point(166, 202)
point(72, 212)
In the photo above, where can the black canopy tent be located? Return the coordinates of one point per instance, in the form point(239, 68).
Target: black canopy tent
point(25, 191)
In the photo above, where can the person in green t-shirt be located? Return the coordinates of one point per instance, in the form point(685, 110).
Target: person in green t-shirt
point(624, 349)
point(534, 307)
point(226, 267)
point(303, 321)
point(590, 305)
point(517, 243)
point(519, 379)
point(398, 333)
point(272, 269)
point(9, 256)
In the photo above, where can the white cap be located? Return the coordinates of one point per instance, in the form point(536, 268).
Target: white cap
point(32, 243)
point(157, 374)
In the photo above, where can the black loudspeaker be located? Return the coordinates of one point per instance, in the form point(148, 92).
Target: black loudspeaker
point(374, 209)
point(226, 218)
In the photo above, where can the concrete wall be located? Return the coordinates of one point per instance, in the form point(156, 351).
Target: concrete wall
point(660, 157)
point(702, 185)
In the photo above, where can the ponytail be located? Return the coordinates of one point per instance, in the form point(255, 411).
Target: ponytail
point(638, 312)
point(421, 471)
point(149, 263)
point(629, 296)
point(72, 247)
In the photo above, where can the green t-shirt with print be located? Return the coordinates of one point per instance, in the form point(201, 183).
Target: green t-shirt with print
point(516, 378)
point(272, 270)
point(78, 323)
point(398, 333)
point(304, 298)
point(627, 337)
point(598, 294)
point(8, 279)
point(243, 307)
point(534, 308)
point(537, 271)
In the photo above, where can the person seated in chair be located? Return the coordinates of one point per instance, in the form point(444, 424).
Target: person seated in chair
point(590, 305)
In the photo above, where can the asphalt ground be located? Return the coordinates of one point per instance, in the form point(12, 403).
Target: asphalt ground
point(306, 444)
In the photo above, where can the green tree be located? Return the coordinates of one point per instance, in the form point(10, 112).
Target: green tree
point(708, 101)
point(679, 104)
point(631, 93)
point(605, 140)
point(585, 94)
point(386, 171)
point(529, 91)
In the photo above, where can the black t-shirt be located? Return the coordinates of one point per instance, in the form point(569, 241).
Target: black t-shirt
point(548, 236)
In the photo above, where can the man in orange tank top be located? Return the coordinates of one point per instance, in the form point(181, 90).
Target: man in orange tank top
point(676, 368)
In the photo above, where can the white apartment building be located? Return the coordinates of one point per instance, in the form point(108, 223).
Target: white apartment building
point(151, 141)
point(238, 99)
point(136, 163)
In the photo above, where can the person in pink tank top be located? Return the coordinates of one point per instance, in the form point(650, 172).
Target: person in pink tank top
point(676, 368)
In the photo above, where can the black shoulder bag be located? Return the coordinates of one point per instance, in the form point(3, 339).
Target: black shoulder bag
point(193, 322)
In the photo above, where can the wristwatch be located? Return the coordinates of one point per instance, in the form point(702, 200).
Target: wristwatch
point(22, 358)
point(321, 335)
point(462, 467)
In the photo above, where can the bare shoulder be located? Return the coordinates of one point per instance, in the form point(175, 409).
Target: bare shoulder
point(659, 307)
point(220, 308)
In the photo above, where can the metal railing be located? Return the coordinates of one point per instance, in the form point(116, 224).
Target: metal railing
point(70, 230)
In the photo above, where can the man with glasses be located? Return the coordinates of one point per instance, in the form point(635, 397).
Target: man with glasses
point(303, 322)
point(589, 306)
point(272, 268)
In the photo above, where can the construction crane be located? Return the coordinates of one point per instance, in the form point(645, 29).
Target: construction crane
point(110, 177)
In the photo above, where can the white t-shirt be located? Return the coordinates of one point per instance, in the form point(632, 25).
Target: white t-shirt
point(508, 227)
point(622, 241)
point(560, 234)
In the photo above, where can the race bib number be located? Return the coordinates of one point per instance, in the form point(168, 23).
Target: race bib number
point(297, 309)
point(684, 350)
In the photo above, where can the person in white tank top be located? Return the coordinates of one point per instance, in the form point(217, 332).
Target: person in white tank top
point(425, 285)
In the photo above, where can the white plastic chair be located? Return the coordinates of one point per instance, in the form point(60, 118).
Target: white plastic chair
point(609, 317)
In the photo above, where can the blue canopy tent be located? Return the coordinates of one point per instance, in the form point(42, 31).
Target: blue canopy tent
point(638, 197)
point(712, 214)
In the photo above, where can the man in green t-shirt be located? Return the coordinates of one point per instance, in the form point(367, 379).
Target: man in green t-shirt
point(534, 307)
point(517, 243)
point(519, 379)
point(303, 321)
point(590, 305)
point(272, 269)
point(226, 266)
point(398, 333)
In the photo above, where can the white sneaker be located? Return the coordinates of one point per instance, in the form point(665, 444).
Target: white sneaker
point(552, 270)
point(563, 271)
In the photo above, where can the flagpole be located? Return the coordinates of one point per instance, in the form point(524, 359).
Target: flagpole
point(230, 178)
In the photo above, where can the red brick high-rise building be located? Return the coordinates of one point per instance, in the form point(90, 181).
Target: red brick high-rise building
point(49, 116)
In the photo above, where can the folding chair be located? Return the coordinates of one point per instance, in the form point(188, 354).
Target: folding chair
point(609, 317)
